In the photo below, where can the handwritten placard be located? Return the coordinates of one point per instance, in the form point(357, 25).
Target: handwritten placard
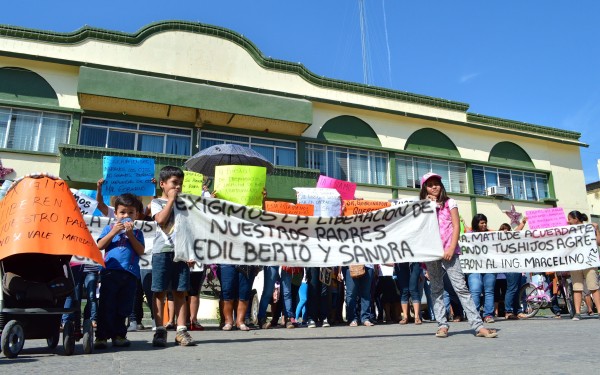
point(290, 208)
point(192, 183)
point(345, 188)
point(128, 175)
point(356, 207)
point(327, 202)
point(546, 218)
point(240, 184)
point(40, 215)
point(86, 204)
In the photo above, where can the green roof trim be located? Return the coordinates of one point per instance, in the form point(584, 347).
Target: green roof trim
point(145, 32)
point(522, 126)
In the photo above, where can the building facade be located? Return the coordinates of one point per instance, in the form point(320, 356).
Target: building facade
point(174, 88)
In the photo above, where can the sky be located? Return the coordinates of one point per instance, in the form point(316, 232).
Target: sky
point(533, 61)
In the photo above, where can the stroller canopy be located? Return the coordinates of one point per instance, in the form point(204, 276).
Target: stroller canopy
point(40, 215)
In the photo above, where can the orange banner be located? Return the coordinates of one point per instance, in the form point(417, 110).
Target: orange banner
point(355, 207)
point(290, 208)
point(40, 215)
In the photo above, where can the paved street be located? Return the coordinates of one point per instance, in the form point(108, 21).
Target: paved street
point(539, 345)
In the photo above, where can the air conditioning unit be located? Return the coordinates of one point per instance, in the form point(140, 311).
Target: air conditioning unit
point(498, 191)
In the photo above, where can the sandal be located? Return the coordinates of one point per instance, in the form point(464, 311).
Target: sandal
point(227, 327)
point(418, 321)
point(354, 323)
point(442, 332)
point(457, 319)
point(403, 321)
point(489, 319)
point(195, 326)
point(490, 334)
point(243, 327)
point(523, 316)
point(511, 316)
point(368, 323)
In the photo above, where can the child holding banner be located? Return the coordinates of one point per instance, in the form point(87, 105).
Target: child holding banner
point(447, 213)
point(590, 275)
point(123, 244)
point(168, 275)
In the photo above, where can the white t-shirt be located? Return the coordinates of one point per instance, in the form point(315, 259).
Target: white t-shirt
point(164, 241)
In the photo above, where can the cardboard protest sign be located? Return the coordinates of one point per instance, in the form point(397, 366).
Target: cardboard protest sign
point(355, 207)
point(241, 184)
point(534, 250)
point(192, 183)
point(290, 208)
point(86, 204)
point(345, 188)
point(40, 215)
point(546, 218)
point(95, 224)
point(326, 202)
point(216, 231)
point(128, 175)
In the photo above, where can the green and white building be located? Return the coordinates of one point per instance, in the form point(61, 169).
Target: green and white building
point(174, 88)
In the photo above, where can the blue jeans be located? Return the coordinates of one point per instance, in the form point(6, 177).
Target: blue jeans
point(407, 280)
point(286, 292)
point(483, 282)
point(318, 304)
point(234, 284)
point(361, 288)
point(302, 299)
point(117, 292)
point(271, 275)
point(511, 298)
point(84, 282)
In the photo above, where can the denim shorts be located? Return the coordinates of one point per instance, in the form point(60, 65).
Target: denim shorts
point(168, 275)
point(234, 284)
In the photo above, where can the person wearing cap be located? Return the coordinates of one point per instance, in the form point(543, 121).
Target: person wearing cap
point(448, 220)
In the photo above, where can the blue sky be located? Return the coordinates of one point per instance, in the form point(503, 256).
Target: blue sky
point(531, 61)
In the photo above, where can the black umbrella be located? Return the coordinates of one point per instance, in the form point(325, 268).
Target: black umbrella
point(206, 160)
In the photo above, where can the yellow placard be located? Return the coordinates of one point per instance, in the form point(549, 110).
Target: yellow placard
point(192, 183)
point(240, 184)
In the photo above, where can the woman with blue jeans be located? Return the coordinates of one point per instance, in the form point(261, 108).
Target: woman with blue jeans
point(482, 282)
point(512, 305)
point(85, 277)
point(407, 280)
point(359, 287)
point(271, 275)
point(235, 286)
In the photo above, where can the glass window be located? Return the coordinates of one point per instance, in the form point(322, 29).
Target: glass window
point(349, 164)
point(277, 152)
point(133, 136)
point(33, 130)
point(409, 170)
point(520, 185)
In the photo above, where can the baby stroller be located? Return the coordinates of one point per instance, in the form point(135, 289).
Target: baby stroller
point(35, 273)
point(34, 288)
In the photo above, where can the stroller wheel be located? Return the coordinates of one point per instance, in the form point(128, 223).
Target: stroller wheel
point(53, 340)
point(88, 337)
point(12, 339)
point(69, 338)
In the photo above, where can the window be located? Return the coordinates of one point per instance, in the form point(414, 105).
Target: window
point(349, 164)
point(520, 185)
point(33, 130)
point(409, 170)
point(132, 136)
point(276, 151)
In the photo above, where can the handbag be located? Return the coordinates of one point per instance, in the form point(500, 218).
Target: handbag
point(357, 271)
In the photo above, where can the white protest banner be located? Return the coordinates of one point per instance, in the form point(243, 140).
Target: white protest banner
point(96, 224)
point(86, 204)
point(538, 250)
point(327, 202)
point(216, 231)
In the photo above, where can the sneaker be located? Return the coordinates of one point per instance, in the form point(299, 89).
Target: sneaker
point(160, 337)
point(132, 326)
point(140, 327)
point(195, 326)
point(577, 317)
point(184, 338)
point(489, 319)
point(312, 324)
point(121, 342)
point(326, 324)
point(153, 325)
point(100, 344)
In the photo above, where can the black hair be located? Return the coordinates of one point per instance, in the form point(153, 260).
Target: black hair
point(443, 195)
point(129, 200)
point(169, 171)
point(505, 226)
point(475, 222)
point(579, 216)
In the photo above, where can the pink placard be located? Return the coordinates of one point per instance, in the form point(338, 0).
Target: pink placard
point(546, 218)
point(345, 188)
